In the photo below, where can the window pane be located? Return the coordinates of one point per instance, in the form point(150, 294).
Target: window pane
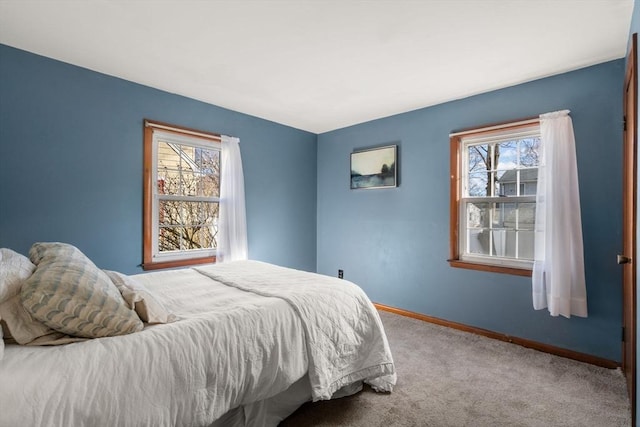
point(187, 155)
point(210, 170)
point(500, 243)
point(168, 158)
point(478, 241)
point(169, 238)
point(210, 186)
point(197, 237)
point(505, 215)
point(529, 149)
point(209, 213)
point(506, 184)
point(188, 171)
point(525, 245)
point(206, 237)
point(189, 183)
point(198, 213)
point(169, 212)
point(208, 229)
point(509, 243)
point(477, 156)
point(187, 225)
point(526, 216)
point(195, 184)
point(516, 216)
point(479, 184)
point(186, 238)
point(169, 181)
point(506, 154)
point(161, 185)
point(477, 215)
point(529, 189)
point(208, 161)
point(528, 182)
point(503, 230)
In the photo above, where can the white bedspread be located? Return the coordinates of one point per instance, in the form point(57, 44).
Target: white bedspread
point(230, 348)
point(345, 337)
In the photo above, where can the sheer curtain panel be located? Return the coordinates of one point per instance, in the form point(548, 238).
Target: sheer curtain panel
point(558, 270)
point(232, 219)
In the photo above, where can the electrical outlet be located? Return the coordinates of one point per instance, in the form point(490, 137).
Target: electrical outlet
point(340, 274)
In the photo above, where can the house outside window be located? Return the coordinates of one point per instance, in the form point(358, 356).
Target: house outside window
point(493, 197)
point(181, 196)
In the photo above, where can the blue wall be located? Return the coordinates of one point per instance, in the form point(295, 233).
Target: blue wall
point(395, 242)
point(71, 170)
point(71, 164)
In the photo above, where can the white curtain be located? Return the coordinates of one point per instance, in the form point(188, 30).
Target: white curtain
point(558, 269)
point(232, 219)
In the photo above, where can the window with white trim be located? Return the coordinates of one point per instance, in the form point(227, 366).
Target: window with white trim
point(182, 190)
point(493, 190)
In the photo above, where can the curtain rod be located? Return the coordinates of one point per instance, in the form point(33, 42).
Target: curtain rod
point(496, 127)
point(158, 125)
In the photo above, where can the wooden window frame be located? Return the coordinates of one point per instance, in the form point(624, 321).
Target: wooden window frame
point(455, 189)
point(148, 262)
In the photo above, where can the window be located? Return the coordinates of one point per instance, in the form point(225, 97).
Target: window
point(181, 196)
point(494, 176)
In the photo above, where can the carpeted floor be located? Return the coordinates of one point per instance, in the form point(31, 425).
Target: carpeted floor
point(452, 378)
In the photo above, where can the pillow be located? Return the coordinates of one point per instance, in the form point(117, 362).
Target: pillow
point(14, 268)
point(1, 343)
point(137, 296)
point(17, 323)
point(68, 293)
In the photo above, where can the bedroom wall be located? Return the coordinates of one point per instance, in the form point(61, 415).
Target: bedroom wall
point(395, 242)
point(71, 164)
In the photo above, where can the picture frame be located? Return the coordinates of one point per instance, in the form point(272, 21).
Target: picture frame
point(374, 168)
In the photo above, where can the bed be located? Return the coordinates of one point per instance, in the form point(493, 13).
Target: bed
point(234, 344)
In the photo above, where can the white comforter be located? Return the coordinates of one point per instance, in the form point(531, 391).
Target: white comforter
point(230, 348)
point(345, 337)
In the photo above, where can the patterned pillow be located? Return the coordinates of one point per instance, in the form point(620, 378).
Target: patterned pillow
point(137, 296)
point(68, 293)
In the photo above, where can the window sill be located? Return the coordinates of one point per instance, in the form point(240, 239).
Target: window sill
point(178, 263)
point(490, 268)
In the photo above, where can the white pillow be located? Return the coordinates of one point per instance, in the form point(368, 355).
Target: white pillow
point(1, 344)
point(18, 324)
point(14, 269)
point(148, 308)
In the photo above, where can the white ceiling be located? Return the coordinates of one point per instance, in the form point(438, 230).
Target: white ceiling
point(322, 65)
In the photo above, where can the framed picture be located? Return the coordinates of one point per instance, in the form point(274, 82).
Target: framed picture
point(374, 168)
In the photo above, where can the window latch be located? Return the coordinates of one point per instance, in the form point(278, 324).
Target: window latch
point(623, 259)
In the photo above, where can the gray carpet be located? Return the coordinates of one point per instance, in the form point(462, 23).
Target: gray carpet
point(452, 378)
